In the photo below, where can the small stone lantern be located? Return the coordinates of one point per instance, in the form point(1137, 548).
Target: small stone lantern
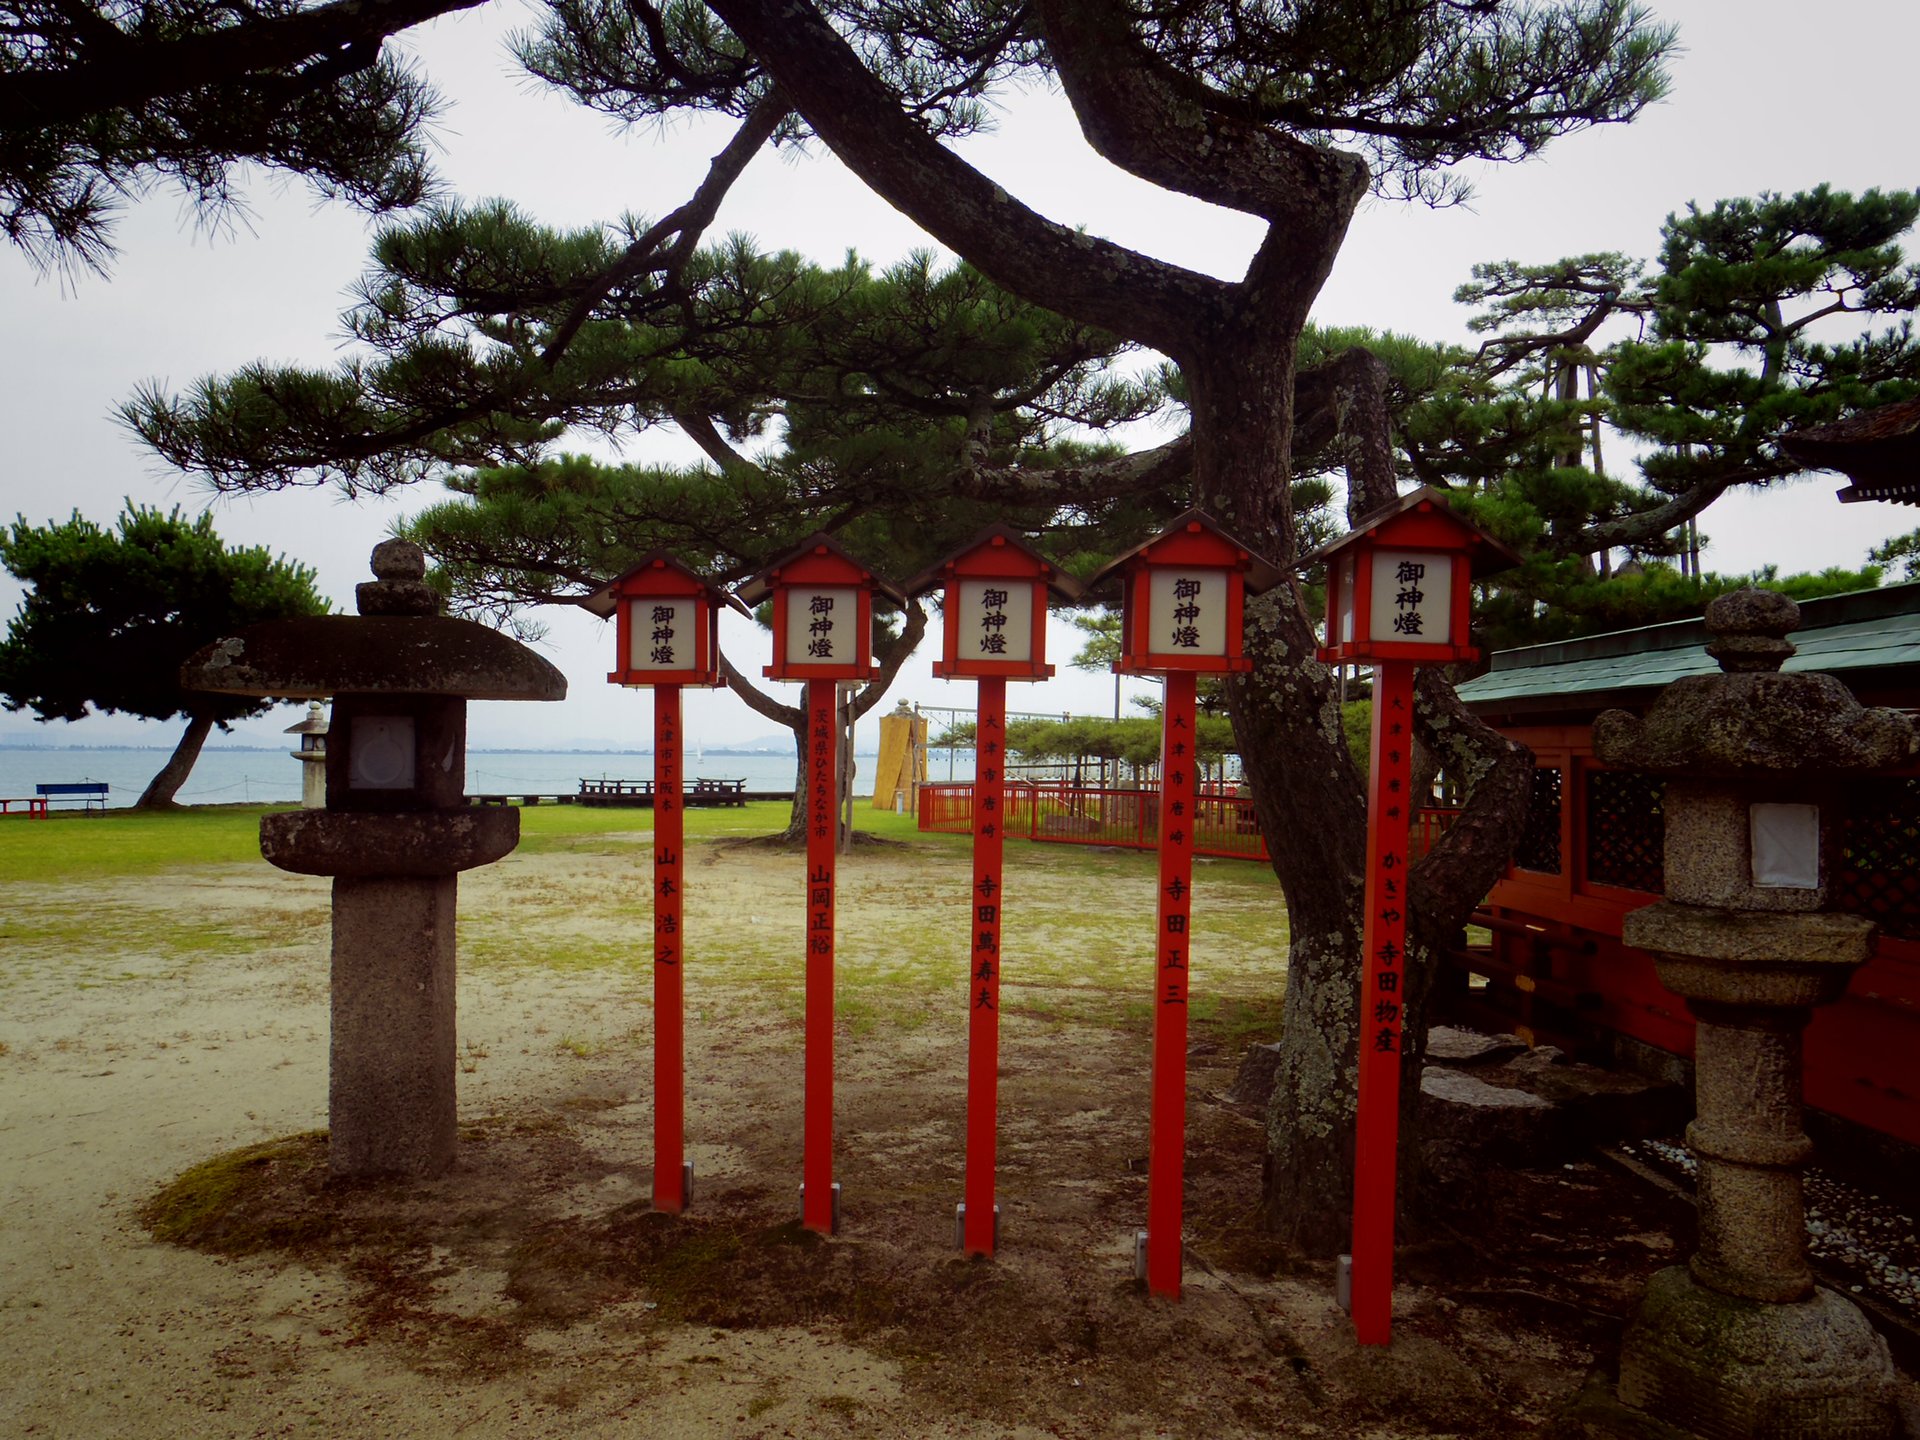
point(395, 832)
point(1740, 1342)
point(312, 756)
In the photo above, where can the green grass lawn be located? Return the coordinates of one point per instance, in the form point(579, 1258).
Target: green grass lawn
point(73, 846)
point(1077, 922)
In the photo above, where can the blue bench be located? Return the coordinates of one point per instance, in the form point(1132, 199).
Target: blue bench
point(92, 794)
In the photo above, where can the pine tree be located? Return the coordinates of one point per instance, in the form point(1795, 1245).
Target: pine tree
point(110, 615)
point(99, 101)
point(1289, 114)
point(1758, 317)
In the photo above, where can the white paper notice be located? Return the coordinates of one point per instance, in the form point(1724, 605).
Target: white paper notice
point(1786, 846)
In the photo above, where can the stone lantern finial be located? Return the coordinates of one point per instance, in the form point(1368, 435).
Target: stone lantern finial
point(1749, 630)
point(399, 586)
point(1753, 718)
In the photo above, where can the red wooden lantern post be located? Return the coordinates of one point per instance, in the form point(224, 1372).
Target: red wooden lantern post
point(994, 609)
point(1184, 592)
point(1397, 596)
point(822, 635)
point(667, 628)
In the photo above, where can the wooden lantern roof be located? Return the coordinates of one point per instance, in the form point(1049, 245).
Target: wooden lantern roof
point(817, 560)
point(1194, 538)
point(1877, 449)
point(996, 552)
point(1422, 520)
point(657, 573)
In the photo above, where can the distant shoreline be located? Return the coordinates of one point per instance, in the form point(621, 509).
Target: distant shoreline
point(276, 749)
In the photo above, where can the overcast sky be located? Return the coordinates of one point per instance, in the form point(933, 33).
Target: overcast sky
point(1767, 95)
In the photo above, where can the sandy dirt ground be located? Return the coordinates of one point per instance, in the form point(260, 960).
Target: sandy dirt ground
point(533, 1291)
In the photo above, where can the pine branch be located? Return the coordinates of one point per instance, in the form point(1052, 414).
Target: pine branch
point(126, 74)
point(860, 118)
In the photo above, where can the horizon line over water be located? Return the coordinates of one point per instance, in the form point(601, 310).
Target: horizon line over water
point(35, 748)
point(233, 775)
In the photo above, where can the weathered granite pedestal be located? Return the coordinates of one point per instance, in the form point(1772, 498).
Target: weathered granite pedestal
point(395, 833)
point(1740, 1344)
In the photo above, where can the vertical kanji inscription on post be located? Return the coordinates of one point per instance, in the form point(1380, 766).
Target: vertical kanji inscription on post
point(816, 1211)
point(983, 1009)
point(1381, 996)
point(994, 612)
point(667, 627)
point(669, 993)
point(1167, 1132)
point(1397, 597)
point(1182, 617)
point(822, 602)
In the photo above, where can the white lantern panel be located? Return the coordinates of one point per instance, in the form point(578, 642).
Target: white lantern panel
point(1786, 846)
point(823, 625)
point(382, 755)
point(996, 620)
point(1187, 612)
point(661, 633)
point(1412, 597)
point(1343, 616)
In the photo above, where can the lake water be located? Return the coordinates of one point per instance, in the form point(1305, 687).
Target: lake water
point(234, 776)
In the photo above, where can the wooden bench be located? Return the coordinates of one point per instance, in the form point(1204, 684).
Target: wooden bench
point(36, 805)
point(615, 792)
point(92, 794)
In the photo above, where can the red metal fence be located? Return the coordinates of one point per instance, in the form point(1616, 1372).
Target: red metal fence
point(1223, 824)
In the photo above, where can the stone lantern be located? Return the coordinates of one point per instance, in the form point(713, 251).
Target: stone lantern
point(312, 756)
point(395, 832)
point(1740, 1342)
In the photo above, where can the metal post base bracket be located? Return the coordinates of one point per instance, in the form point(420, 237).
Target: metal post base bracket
point(960, 1226)
point(836, 1205)
point(686, 1185)
point(1140, 1255)
point(1343, 1282)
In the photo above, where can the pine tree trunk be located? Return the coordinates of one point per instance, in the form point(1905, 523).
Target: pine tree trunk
point(1287, 729)
point(796, 831)
point(1297, 766)
point(164, 786)
point(1287, 726)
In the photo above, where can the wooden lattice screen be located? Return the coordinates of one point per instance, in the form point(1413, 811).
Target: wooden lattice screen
point(1539, 847)
point(1625, 830)
point(1880, 878)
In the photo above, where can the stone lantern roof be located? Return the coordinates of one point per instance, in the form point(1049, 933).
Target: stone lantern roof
point(1751, 718)
point(314, 723)
point(397, 644)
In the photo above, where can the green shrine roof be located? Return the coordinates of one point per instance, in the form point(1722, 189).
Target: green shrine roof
point(1869, 638)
